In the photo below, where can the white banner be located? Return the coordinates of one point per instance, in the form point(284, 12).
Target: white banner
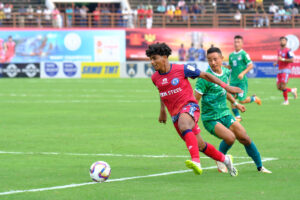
point(61, 70)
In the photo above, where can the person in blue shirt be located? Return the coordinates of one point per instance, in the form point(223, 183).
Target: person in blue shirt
point(192, 53)
point(201, 53)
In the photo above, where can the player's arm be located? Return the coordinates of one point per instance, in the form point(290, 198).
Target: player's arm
point(163, 114)
point(213, 79)
point(232, 100)
point(290, 58)
point(249, 63)
point(197, 95)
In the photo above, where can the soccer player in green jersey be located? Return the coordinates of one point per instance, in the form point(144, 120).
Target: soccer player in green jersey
point(216, 116)
point(240, 64)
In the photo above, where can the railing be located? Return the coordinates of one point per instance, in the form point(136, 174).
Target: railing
point(113, 20)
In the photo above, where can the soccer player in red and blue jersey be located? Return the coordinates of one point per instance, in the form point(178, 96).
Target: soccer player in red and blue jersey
point(285, 58)
point(176, 94)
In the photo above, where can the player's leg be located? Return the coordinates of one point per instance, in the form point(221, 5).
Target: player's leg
point(185, 125)
point(242, 136)
point(235, 111)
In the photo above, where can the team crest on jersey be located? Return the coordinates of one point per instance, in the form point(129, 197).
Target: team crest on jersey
point(175, 81)
point(131, 70)
point(283, 55)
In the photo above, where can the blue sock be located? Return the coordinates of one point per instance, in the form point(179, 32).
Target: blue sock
point(254, 154)
point(236, 112)
point(252, 98)
point(224, 147)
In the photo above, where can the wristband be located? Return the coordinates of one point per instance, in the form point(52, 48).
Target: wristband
point(235, 103)
point(282, 59)
point(223, 85)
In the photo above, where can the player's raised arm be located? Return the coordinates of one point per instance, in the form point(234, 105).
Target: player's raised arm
point(213, 79)
point(163, 114)
point(232, 100)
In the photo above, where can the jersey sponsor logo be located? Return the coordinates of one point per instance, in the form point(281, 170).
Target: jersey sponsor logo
point(170, 92)
point(175, 81)
point(164, 81)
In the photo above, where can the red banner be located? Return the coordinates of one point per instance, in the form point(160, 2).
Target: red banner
point(261, 44)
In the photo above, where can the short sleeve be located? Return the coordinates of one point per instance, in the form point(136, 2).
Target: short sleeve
point(290, 54)
point(230, 62)
point(200, 86)
point(191, 71)
point(247, 59)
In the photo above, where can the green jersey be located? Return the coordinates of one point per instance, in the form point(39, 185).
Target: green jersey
point(238, 62)
point(213, 103)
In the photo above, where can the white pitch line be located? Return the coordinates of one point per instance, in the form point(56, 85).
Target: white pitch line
point(107, 154)
point(119, 179)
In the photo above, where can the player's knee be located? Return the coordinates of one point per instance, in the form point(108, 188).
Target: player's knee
point(245, 140)
point(230, 140)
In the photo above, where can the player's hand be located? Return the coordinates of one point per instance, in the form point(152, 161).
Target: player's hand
point(241, 76)
point(162, 117)
point(233, 90)
point(241, 107)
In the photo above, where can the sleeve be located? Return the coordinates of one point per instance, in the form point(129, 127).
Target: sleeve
point(191, 71)
point(200, 86)
point(290, 54)
point(230, 62)
point(247, 59)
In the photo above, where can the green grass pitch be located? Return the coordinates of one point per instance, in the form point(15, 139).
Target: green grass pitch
point(78, 118)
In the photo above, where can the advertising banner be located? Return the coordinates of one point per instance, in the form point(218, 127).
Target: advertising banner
point(36, 45)
point(139, 69)
point(100, 70)
point(60, 70)
point(260, 44)
point(20, 70)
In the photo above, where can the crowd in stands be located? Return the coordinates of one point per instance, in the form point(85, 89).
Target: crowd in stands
point(174, 11)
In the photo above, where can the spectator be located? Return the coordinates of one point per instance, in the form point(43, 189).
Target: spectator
point(141, 13)
point(76, 15)
point(196, 10)
point(106, 18)
point(69, 16)
point(192, 53)
point(201, 53)
point(1, 6)
point(149, 20)
point(237, 16)
point(181, 3)
point(181, 53)
point(281, 14)
point(2, 16)
point(55, 16)
point(251, 4)
point(184, 12)
point(161, 9)
point(295, 12)
point(30, 14)
point(83, 15)
point(7, 13)
point(47, 16)
point(170, 14)
point(177, 14)
point(234, 4)
point(297, 3)
point(96, 15)
point(273, 8)
point(202, 8)
point(288, 16)
point(39, 13)
point(288, 4)
point(259, 4)
point(171, 6)
point(214, 5)
point(22, 12)
point(241, 5)
point(263, 20)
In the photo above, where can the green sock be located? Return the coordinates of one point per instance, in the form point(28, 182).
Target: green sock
point(236, 112)
point(254, 154)
point(224, 147)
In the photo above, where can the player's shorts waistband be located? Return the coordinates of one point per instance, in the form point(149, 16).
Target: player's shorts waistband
point(287, 71)
point(176, 117)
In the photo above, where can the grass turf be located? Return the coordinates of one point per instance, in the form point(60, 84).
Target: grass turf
point(119, 116)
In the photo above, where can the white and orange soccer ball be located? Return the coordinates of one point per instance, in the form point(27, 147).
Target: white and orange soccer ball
point(100, 171)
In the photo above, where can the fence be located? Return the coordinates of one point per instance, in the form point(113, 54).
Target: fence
point(111, 20)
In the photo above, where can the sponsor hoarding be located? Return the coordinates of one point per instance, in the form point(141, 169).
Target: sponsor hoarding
point(100, 70)
point(20, 70)
point(60, 70)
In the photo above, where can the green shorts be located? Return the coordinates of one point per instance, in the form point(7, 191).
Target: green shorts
point(227, 121)
point(244, 87)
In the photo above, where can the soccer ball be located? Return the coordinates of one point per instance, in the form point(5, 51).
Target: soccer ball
point(100, 171)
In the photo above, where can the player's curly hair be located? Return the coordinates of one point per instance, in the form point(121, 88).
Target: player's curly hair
point(158, 49)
